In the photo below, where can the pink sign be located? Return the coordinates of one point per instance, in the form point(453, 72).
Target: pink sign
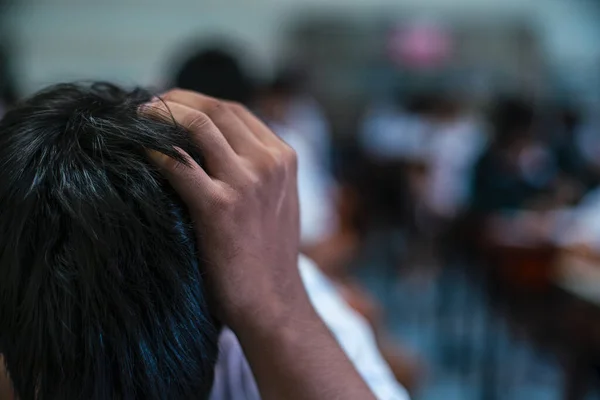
point(420, 46)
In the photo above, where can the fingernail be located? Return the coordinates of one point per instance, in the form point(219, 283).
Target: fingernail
point(157, 157)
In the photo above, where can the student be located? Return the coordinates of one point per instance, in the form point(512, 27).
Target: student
point(104, 271)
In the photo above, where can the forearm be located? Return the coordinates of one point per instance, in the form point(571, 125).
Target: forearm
point(297, 358)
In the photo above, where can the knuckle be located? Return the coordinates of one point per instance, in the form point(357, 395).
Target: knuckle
point(250, 185)
point(279, 162)
point(197, 121)
point(214, 107)
point(267, 163)
point(250, 180)
point(226, 202)
point(272, 167)
point(253, 181)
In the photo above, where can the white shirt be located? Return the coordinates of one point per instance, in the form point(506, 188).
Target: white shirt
point(390, 135)
point(306, 117)
point(453, 151)
point(233, 376)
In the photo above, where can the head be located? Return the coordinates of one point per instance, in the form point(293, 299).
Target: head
point(570, 119)
point(214, 72)
point(513, 123)
point(274, 99)
point(417, 103)
point(101, 294)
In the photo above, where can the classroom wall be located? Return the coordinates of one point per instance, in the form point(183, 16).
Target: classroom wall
point(130, 41)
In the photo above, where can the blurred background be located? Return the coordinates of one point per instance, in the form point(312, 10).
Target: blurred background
point(449, 156)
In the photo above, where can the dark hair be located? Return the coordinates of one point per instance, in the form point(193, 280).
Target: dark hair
point(214, 72)
point(511, 119)
point(101, 295)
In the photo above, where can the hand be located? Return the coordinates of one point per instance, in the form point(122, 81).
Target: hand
point(244, 206)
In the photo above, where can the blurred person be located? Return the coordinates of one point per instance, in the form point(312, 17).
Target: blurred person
point(393, 140)
point(587, 140)
point(513, 169)
point(397, 130)
point(570, 159)
point(574, 223)
point(516, 176)
point(216, 72)
point(577, 145)
point(83, 266)
point(457, 140)
point(574, 174)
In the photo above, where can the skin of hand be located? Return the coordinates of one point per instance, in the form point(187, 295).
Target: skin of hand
point(244, 205)
point(243, 202)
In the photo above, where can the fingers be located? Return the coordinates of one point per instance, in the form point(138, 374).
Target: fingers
point(260, 129)
point(190, 181)
point(236, 132)
point(219, 156)
point(239, 150)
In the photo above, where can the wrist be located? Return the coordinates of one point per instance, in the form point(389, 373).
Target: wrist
point(274, 317)
point(259, 301)
point(281, 337)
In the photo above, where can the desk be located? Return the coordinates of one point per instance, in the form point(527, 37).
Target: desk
point(553, 296)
